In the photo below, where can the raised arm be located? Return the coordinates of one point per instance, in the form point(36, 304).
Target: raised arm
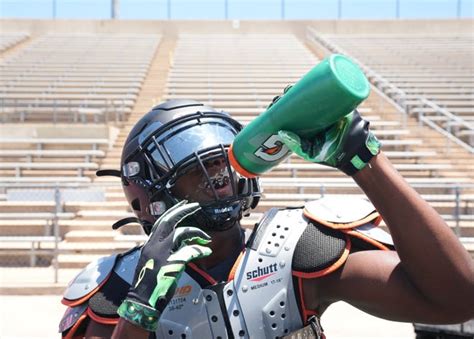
point(430, 277)
point(430, 254)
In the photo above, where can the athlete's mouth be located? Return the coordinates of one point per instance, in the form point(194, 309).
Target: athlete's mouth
point(219, 181)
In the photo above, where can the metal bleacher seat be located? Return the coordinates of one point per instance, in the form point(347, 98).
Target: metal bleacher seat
point(31, 218)
point(430, 75)
point(217, 70)
point(48, 83)
point(244, 89)
point(75, 77)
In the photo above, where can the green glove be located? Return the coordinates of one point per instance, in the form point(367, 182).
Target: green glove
point(347, 144)
point(162, 261)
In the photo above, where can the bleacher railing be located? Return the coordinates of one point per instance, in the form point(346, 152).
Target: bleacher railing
point(453, 122)
point(58, 193)
point(64, 110)
point(398, 96)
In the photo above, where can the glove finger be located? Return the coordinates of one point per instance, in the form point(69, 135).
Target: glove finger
point(167, 212)
point(293, 142)
point(176, 214)
point(190, 253)
point(186, 235)
point(166, 281)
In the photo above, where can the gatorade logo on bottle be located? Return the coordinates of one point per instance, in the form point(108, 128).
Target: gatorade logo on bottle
point(272, 149)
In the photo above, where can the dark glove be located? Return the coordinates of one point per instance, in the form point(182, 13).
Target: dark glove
point(162, 261)
point(347, 145)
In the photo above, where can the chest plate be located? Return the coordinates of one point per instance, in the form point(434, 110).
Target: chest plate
point(259, 302)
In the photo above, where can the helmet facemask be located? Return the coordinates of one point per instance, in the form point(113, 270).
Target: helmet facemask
point(187, 160)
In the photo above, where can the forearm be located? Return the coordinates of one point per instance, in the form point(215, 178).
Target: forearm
point(433, 258)
point(125, 329)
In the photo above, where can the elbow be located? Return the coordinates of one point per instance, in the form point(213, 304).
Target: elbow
point(455, 305)
point(452, 314)
point(459, 317)
point(462, 301)
point(461, 307)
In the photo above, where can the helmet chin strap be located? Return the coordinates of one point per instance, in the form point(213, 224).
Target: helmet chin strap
point(215, 219)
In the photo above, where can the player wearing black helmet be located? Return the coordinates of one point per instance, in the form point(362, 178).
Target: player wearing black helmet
point(183, 138)
point(199, 276)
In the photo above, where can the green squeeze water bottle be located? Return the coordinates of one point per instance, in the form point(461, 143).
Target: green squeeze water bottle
point(329, 91)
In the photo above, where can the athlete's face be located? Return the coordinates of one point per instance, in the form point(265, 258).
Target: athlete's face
point(195, 187)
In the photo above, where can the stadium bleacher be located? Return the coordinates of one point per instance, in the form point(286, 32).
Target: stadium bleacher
point(75, 78)
point(8, 40)
point(431, 75)
point(66, 114)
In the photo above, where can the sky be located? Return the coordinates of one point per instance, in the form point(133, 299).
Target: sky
point(238, 9)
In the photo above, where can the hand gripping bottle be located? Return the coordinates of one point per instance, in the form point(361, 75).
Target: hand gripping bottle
point(329, 91)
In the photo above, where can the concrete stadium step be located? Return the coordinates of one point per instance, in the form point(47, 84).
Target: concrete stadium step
point(251, 220)
point(110, 163)
point(120, 243)
point(30, 206)
point(90, 236)
point(79, 255)
point(464, 229)
point(96, 247)
point(104, 214)
point(106, 180)
point(81, 224)
point(115, 196)
point(35, 281)
point(28, 228)
point(103, 205)
point(97, 224)
point(468, 243)
point(49, 173)
point(76, 260)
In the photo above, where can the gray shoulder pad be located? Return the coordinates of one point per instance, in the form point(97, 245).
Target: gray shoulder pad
point(90, 278)
point(127, 263)
point(71, 316)
point(374, 232)
point(341, 212)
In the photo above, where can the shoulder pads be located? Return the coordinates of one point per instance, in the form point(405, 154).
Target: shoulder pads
point(89, 293)
point(351, 215)
point(72, 316)
point(320, 250)
point(373, 234)
point(105, 301)
point(341, 212)
point(127, 263)
point(88, 280)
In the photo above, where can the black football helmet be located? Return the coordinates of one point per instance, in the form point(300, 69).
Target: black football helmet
point(174, 138)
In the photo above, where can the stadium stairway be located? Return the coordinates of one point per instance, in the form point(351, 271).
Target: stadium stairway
point(16, 44)
point(90, 233)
